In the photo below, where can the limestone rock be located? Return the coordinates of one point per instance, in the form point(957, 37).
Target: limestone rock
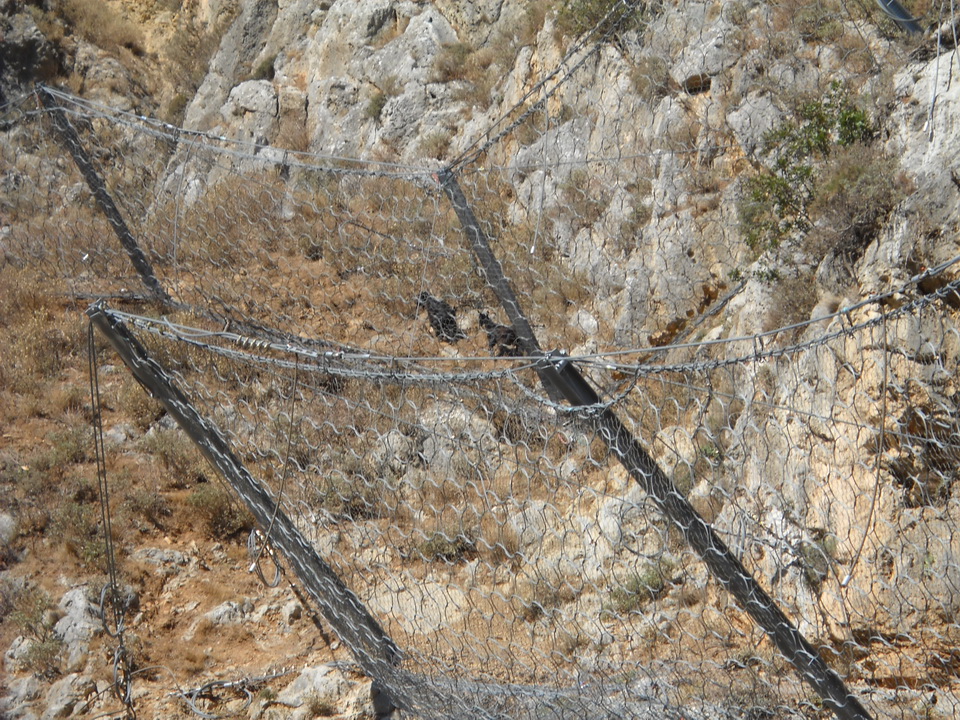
point(78, 626)
point(323, 685)
point(25, 54)
point(21, 698)
point(229, 612)
point(752, 119)
point(14, 656)
point(68, 696)
point(167, 561)
point(8, 530)
point(253, 96)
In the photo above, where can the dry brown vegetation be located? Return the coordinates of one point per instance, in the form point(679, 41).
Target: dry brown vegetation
point(346, 265)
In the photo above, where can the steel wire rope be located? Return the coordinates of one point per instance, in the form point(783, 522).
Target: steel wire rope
point(176, 134)
point(542, 196)
point(952, 287)
point(164, 327)
point(594, 159)
point(21, 99)
point(243, 685)
point(900, 435)
point(244, 155)
point(106, 112)
point(255, 567)
point(589, 360)
point(759, 352)
point(121, 658)
point(364, 405)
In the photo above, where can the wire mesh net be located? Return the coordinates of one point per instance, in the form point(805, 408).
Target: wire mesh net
point(329, 315)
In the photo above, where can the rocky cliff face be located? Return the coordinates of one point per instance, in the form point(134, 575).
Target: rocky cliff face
point(713, 172)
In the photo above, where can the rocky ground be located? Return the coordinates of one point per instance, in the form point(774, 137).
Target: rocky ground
point(416, 83)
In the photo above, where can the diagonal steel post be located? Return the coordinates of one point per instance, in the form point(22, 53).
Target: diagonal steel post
point(375, 651)
point(98, 188)
point(562, 379)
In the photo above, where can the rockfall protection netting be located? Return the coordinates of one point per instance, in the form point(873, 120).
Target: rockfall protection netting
point(332, 318)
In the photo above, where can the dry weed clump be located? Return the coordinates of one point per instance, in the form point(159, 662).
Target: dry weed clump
point(639, 588)
point(149, 505)
point(76, 525)
point(541, 591)
point(177, 455)
point(100, 24)
point(478, 70)
point(41, 347)
point(32, 613)
point(223, 516)
point(137, 404)
point(650, 77)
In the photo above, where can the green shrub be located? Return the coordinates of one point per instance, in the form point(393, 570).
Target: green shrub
point(31, 611)
point(150, 505)
point(776, 204)
point(69, 446)
point(265, 70)
point(375, 106)
point(222, 516)
point(355, 492)
point(176, 108)
point(76, 525)
point(639, 588)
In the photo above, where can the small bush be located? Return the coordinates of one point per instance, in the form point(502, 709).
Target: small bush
point(41, 347)
point(138, 405)
point(857, 190)
point(77, 526)
point(265, 69)
point(71, 399)
point(176, 108)
point(818, 23)
point(651, 78)
point(576, 17)
point(99, 24)
point(446, 548)
point(222, 516)
point(149, 505)
point(777, 204)
point(352, 495)
point(375, 106)
point(43, 657)
point(436, 144)
point(544, 592)
point(451, 62)
point(177, 454)
point(320, 706)
point(816, 559)
point(32, 612)
point(794, 299)
point(69, 446)
point(639, 588)
point(582, 199)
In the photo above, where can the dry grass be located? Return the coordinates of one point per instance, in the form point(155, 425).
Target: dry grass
point(223, 515)
point(99, 23)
